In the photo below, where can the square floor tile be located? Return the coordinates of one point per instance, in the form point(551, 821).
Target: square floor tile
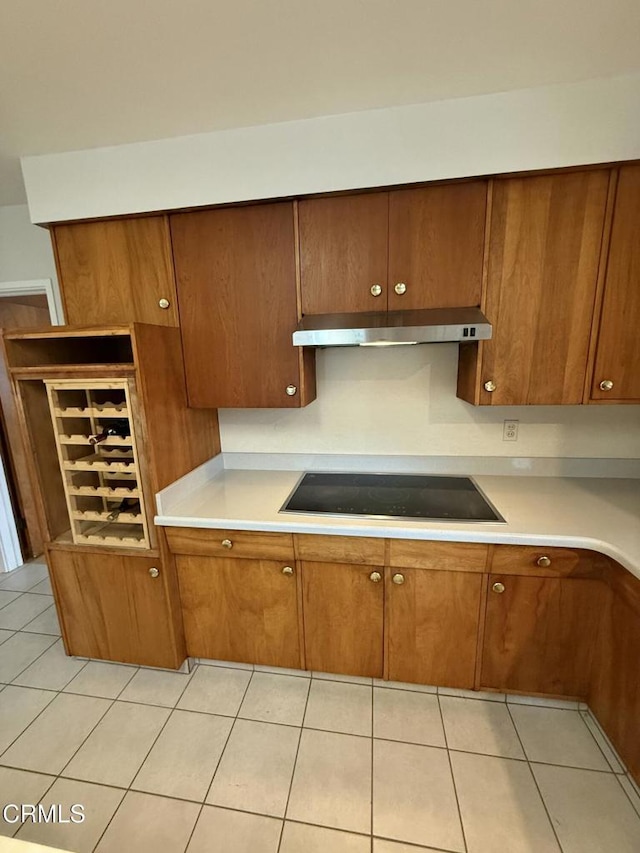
point(500, 806)
point(256, 768)
point(185, 756)
point(543, 702)
point(16, 787)
point(6, 597)
point(155, 687)
point(338, 706)
point(117, 747)
point(19, 706)
point(225, 831)
point(333, 676)
point(282, 670)
point(275, 699)
point(51, 740)
point(413, 795)
point(404, 685)
point(557, 737)
point(43, 588)
point(25, 577)
point(4, 635)
point(332, 781)
point(473, 725)
point(19, 651)
point(589, 810)
point(23, 610)
point(101, 679)
point(52, 671)
point(148, 824)
point(406, 716)
point(297, 837)
point(383, 845)
point(99, 804)
point(215, 690)
point(45, 623)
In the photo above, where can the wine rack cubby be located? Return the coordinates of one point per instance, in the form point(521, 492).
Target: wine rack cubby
point(94, 431)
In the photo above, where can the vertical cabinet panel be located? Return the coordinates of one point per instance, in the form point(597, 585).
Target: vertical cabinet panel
point(618, 348)
point(240, 610)
point(436, 245)
point(112, 608)
point(544, 251)
point(116, 271)
point(433, 622)
point(343, 253)
point(539, 634)
point(343, 618)
point(236, 275)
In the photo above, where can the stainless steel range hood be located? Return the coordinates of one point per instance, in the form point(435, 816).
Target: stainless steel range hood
point(393, 328)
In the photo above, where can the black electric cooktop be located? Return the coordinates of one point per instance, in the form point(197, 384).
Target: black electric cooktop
point(404, 496)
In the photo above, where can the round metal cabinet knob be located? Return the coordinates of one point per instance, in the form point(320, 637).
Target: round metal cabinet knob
point(606, 385)
point(376, 577)
point(490, 385)
point(164, 303)
point(399, 579)
point(287, 570)
point(376, 290)
point(154, 572)
point(227, 543)
point(498, 587)
point(400, 288)
point(543, 561)
point(291, 390)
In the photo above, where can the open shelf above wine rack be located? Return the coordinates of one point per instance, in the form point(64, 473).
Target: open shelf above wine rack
point(99, 461)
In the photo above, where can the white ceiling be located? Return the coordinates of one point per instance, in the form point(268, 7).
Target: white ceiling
point(82, 73)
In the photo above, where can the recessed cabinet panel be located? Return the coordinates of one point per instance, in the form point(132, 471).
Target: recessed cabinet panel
point(343, 253)
point(115, 607)
point(240, 610)
point(540, 634)
point(118, 271)
point(544, 251)
point(433, 624)
point(436, 244)
point(616, 374)
point(236, 274)
point(343, 618)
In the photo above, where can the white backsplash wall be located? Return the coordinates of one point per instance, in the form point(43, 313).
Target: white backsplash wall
point(403, 400)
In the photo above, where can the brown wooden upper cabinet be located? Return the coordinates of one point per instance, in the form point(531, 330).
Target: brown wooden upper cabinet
point(616, 374)
point(403, 249)
point(118, 271)
point(236, 278)
point(543, 259)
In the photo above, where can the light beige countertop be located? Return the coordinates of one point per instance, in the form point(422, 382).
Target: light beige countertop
point(597, 513)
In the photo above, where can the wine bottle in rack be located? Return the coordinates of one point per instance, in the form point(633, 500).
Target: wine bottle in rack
point(126, 505)
point(119, 426)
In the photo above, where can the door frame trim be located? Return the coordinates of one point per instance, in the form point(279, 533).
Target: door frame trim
point(34, 287)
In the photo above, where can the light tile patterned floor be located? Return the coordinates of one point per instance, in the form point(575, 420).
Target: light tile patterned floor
point(237, 759)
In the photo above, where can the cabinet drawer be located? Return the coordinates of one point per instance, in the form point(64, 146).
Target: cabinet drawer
point(243, 543)
point(447, 556)
point(530, 560)
point(340, 549)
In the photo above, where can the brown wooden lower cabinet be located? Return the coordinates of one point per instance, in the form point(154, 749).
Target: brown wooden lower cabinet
point(343, 618)
point(433, 623)
point(114, 607)
point(240, 610)
point(540, 634)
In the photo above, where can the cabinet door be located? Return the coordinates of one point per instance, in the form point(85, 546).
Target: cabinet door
point(236, 276)
point(433, 620)
point(539, 634)
point(111, 607)
point(343, 618)
point(436, 246)
point(618, 349)
point(544, 250)
point(343, 253)
point(240, 610)
point(116, 271)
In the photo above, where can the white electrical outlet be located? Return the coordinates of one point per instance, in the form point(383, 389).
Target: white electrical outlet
point(510, 431)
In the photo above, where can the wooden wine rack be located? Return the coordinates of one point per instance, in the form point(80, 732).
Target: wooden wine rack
point(98, 478)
